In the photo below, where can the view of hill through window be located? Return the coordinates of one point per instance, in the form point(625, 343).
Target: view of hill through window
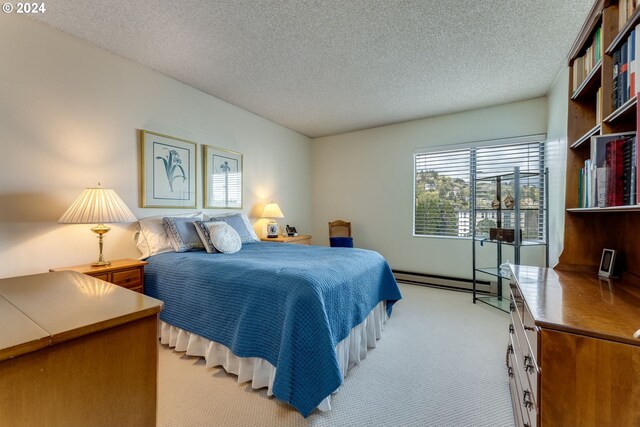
point(443, 190)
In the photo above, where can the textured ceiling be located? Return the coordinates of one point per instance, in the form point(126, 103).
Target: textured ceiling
point(330, 66)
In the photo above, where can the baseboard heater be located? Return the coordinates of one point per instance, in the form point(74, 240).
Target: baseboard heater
point(453, 283)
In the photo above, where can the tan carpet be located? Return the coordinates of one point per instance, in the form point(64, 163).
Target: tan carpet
point(440, 362)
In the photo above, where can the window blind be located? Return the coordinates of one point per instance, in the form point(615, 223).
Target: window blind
point(442, 188)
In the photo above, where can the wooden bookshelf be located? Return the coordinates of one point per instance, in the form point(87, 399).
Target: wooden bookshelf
point(591, 83)
point(589, 230)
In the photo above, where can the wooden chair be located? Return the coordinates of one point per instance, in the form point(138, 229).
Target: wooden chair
point(340, 234)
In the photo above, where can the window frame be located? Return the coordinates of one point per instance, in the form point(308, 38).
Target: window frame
point(539, 138)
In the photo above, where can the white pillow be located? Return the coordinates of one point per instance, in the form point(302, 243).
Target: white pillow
point(151, 236)
point(220, 235)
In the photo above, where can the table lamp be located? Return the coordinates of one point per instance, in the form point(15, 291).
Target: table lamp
point(98, 205)
point(272, 211)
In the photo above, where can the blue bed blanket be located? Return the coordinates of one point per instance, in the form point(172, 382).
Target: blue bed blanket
point(288, 304)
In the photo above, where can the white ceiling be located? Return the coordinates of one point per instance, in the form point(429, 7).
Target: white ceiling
point(330, 66)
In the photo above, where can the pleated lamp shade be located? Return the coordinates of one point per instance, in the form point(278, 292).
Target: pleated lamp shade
point(97, 205)
point(272, 210)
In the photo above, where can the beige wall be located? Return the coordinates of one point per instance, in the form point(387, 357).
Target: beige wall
point(366, 177)
point(69, 112)
point(558, 109)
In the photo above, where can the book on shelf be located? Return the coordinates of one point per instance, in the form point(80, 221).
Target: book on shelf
point(623, 74)
point(615, 92)
point(636, 59)
point(577, 72)
point(601, 187)
point(609, 175)
point(626, 79)
point(584, 64)
point(599, 106)
point(580, 184)
point(625, 11)
point(615, 173)
point(631, 54)
point(629, 165)
point(586, 185)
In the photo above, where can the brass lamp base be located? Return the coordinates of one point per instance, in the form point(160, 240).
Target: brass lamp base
point(100, 230)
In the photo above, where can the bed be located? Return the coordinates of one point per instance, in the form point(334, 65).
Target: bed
point(297, 309)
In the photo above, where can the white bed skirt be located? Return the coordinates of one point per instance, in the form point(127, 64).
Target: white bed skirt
point(260, 372)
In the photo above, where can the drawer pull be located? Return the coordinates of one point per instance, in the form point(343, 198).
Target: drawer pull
point(511, 329)
point(526, 399)
point(528, 365)
point(510, 371)
point(529, 328)
point(512, 307)
point(509, 351)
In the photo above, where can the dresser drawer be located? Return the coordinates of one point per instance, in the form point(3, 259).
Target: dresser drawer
point(525, 357)
point(531, 331)
point(127, 278)
point(513, 388)
point(521, 400)
point(524, 370)
point(525, 367)
point(526, 329)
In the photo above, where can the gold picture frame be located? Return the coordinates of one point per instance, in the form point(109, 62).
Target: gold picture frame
point(222, 177)
point(168, 171)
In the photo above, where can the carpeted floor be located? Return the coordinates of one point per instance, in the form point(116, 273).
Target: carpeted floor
point(440, 362)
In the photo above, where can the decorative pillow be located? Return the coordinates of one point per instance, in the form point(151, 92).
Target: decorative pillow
point(202, 228)
point(218, 236)
point(182, 234)
point(151, 236)
point(240, 222)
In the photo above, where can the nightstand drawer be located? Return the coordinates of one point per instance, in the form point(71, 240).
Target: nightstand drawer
point(104, 277)
point(301, 242)
point(301, 239)
point(128, 278)
point(128, 273)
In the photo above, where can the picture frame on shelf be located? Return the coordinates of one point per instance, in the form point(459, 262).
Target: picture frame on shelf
point(607, 263)
point(222, 176)
point(168, 171)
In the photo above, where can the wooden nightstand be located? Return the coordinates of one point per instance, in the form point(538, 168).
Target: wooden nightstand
point(302, 239)
point(128, 273)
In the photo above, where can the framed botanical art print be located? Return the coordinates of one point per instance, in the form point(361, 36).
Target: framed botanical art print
point(222, 178)
point(168, 171)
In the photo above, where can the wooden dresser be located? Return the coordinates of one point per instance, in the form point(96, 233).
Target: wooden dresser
point(76, 351)
point(572, 358)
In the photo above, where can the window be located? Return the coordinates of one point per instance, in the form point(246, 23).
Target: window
point(442, 191)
